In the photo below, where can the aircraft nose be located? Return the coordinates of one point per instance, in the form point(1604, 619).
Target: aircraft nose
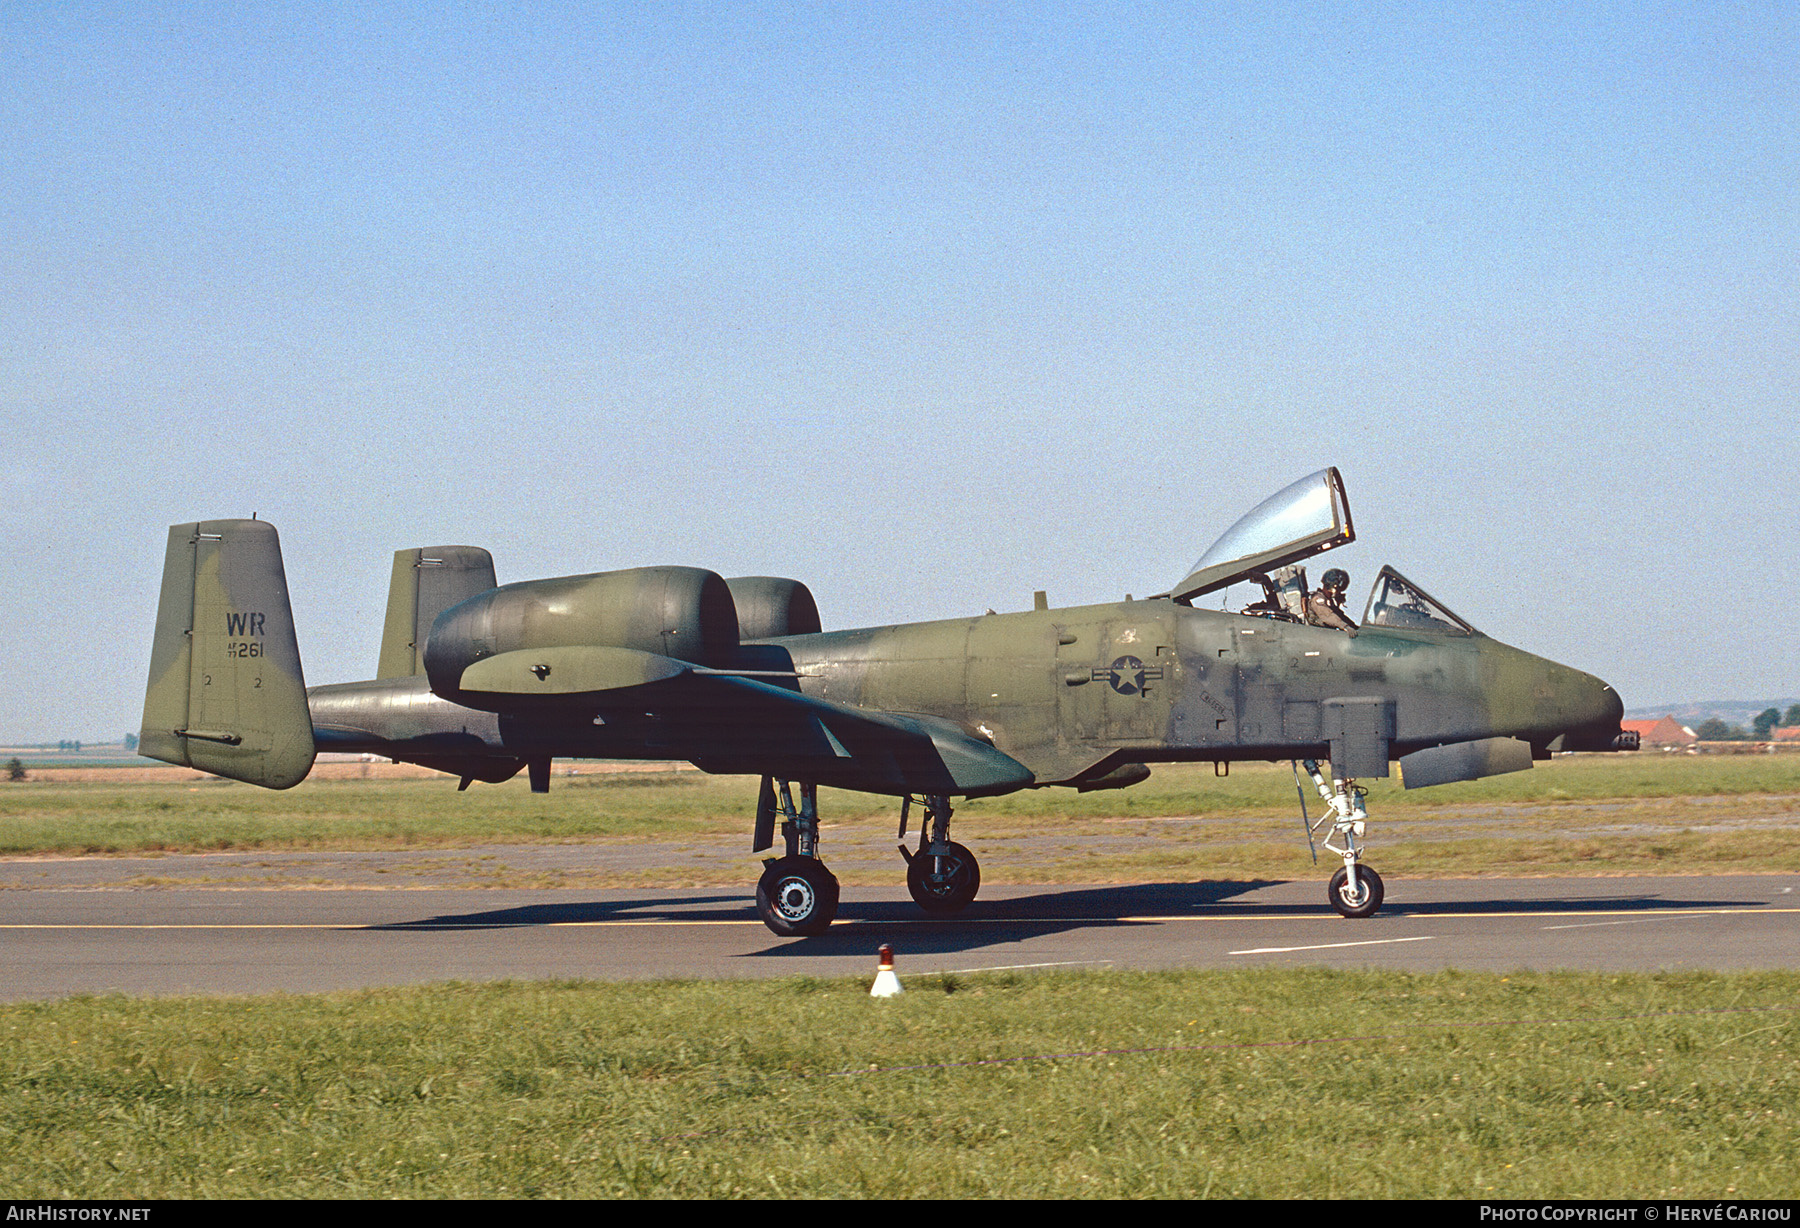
point(1613, 706)
point(1594, 711)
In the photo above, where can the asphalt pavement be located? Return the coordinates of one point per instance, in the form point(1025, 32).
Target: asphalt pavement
point(98, 925)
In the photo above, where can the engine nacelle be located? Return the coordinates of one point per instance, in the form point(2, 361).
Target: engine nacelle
point(769, 607)
point(681, 612)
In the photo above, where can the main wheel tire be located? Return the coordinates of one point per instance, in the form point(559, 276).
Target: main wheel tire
point(797, 897)
point(1364, 905)
point(950, 892)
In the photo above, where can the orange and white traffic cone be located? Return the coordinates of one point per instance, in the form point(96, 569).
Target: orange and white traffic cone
point(886, 983)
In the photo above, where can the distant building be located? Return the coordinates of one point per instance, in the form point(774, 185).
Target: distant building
point(1788, 733)
point(1666, 734)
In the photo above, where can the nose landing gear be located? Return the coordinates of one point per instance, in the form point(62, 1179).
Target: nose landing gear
point(1355, 890)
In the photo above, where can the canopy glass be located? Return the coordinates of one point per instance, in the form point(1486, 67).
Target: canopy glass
point(1304, 519)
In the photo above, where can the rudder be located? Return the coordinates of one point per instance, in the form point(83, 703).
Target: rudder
point(226, 694)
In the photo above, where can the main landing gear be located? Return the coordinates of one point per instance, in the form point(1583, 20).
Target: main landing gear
point(798, 897)
point(942, 876)
point(1355, 890)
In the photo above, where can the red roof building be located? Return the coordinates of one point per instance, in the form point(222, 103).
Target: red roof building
point(1666, 734)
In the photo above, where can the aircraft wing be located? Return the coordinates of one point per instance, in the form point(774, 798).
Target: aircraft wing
point(742, 721)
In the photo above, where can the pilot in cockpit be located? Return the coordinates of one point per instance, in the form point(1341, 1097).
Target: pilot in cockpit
point(1325, 607)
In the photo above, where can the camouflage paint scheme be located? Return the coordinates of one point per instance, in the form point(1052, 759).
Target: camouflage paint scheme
point(966, 707)
point(225, 683)
point(736, 676)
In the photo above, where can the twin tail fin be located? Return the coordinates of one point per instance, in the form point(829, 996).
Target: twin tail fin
point(226, 694)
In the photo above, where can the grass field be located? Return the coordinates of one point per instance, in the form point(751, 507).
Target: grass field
point(1266, 1083)
point(1581, 814)
point(1240, 1084)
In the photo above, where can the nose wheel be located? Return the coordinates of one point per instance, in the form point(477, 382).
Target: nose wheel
point(1361, 900)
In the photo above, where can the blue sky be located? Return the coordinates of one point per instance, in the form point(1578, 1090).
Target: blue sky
point(926, 305)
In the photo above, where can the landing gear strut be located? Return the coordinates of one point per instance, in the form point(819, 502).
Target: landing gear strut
point(1355, 890)
point(796, 896)
point(942, 876)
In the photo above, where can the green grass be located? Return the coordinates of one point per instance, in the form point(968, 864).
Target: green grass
point(1229, 1084)
point(1241, 1084)
point(1257, 788)
point(103, 818)
point(1582, 814)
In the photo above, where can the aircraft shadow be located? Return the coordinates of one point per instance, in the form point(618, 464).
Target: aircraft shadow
point(1078, 906)
point(651, 907)
point(988, 922)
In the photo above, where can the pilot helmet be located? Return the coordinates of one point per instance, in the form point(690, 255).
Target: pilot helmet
point(1337, 577)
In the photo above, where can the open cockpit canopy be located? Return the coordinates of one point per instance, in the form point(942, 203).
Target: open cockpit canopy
point(1397, 602)
point(1307, 518)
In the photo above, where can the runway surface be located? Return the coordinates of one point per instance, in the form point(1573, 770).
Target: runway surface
point(74, 926)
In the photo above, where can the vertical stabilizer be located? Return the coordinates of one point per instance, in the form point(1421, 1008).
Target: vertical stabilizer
point(427, 581)
point(226, 694)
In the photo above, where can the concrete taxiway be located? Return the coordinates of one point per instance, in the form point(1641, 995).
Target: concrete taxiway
point(73, 927)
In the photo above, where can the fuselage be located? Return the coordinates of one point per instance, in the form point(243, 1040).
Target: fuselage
point(1069, 692)
point(1072, 694)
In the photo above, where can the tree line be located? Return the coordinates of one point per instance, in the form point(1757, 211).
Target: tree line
point(1712, 729)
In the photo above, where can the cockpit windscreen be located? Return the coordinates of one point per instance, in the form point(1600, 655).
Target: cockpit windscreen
point(1304, 519)
point(1397, 602)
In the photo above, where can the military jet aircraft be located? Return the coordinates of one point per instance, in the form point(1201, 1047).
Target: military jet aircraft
point(737, 676)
